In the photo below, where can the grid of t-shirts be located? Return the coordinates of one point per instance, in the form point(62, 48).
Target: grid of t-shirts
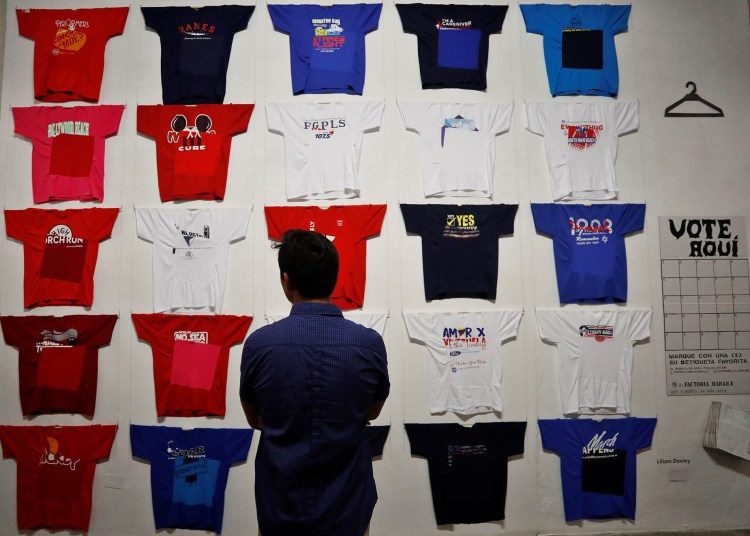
point(189, 336)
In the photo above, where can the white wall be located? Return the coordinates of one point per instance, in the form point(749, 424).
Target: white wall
point(677, 166)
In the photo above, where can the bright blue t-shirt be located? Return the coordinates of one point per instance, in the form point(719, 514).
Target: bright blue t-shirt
point(597, 463)
point(579, 45)
point(326, 44)
point(589, 246)
point(189, 470)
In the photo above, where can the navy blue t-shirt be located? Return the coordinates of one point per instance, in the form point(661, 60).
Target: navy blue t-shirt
point(589, 247)
point(195, 48)
point(189, 470)
point(459, 247)
point(452, 42)
point(597, 463)
point(579, 45)
point(326, 44)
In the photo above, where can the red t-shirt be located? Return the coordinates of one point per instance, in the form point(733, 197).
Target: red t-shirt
point(192, 146)
point(59, 252)
point(348, 227)
point(191, 355)
point(55, 472)
point(69, 49)
point(57, 360)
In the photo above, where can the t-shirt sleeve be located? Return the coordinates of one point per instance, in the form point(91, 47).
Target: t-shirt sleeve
point(418, 326)
point(27, 22)
point(239, 117)
point(638, 326)
point(534, 16)
point(513, 438)
point(507, 323)
point(500, 117)
point(101, 439)
point(412, 19)
point(370, 219)
point(146, 222)
point(551, 431)
point(102, 326)
point(155, 17)
point(383, 388)
point(109, 119)
point(116, 18)
point(536, 117)
point(617, 19)
point(495, 18)
point(16, 224)
point(236, 444)
point(412, 114)
point(369, 17)
point(11, 330)
point(415, 217)
point(101, 221)
point(504, 217)
point(543, 214)
point(273, 117)
point(24, 121)
point(236, 328)
point(550, 325)
point(420, 438)
point(239, 15)
point(283, 17)
point(147, 120)
point(626, 116)
point(277, 222)
point(643, 432)
point(370, 114)
point(14, 439)
point(146, 326)
point(234, 223)
point(375, 437)
point(632, 218)
point(141, 440)
point(248, 365)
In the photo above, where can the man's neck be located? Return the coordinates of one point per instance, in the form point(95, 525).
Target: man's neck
point(300, 299)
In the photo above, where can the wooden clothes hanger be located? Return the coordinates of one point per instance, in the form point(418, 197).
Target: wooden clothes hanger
point(693, 96)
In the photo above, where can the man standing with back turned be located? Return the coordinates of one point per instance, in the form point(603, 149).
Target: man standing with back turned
point(311, 383)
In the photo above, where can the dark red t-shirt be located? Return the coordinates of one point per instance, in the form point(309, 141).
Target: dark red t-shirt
point(348, 227)
point(58, 360)
point(193, 145)
point(59, 252)
point(55, 472)
point(191, 355)
point(69, 49)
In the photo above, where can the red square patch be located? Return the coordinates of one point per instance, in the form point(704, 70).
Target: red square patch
point(194, 364)
point(72, 155)
point(61, 367)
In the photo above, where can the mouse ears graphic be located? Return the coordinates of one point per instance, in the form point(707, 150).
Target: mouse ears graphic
point(202, 123)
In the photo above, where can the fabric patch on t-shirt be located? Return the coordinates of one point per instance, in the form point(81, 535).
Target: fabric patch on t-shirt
point(64, 261)
point(71, 155)
point(582, 49)
point(194, 364)
point(458, 48)
point(604, 472)
point(195, 481)
point(61, 367)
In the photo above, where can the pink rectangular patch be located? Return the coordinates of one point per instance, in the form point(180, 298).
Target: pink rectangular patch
point(194, 364)
point(61, 367)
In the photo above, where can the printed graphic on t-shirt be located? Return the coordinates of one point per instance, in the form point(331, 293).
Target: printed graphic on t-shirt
point(329, 35)
point(195, 475)
point(189, 235)
point(581, 136)
point(460, 226)
point(69, 38)
point(196, 30)
point(603, 465)
point(593, 232)
point(458, 44)
point(53, 455)
point(50, 337)
point(324, 129)
point(598, 332)
point(459, 452)
point(465, 340)
point(190, 137)
point(456, 122)
point(64, 255)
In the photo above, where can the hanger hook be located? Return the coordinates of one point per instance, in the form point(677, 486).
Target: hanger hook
point(694, 87)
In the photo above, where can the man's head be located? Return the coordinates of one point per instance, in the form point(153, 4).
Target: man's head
point(309, 266)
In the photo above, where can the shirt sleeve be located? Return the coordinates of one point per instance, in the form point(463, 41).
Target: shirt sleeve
point(236, 444)
point(154, 17)
point(370, 218)
point(415, 217)
point(14, 439)
point(277, 222)
point(536, 117)
point(102, 326)
point(27, 22)
point(513, 437)
point(16, 224)
point(11, 329)
point(495, 18)
point(233, 223)
point(283, 17)
point(116, 18)
point(141, 439)
point(543, 214)
point(101, 439)
point(412, 114)
point(240, 15)
point(632, 218)
point(626, 116)
point(369, 17)
point(504, 217)
point(412, 19)
point(370, 114)
point(100, 222)
point(146, 221)
point(551, 431)
point(500, 117)
point(638, 324)
point(24, 121)
point(375, 437)
point(506, 324)
point(273, 117)
point(109, 119)
point(643, 432)
point(534, 16)
point(383, 388)
point(550, 325)
point(418, 325)
point(146, 326)
point(235, 328)
point(250, 355)
point(147, 119)
point(239, 117)
point(618, 16)
point(420, 438)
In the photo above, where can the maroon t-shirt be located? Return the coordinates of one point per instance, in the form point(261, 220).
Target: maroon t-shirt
point(58, 360)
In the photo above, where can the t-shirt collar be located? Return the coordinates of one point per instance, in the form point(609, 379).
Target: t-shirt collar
point(315, 308)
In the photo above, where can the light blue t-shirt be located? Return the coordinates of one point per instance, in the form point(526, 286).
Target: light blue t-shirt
point(326, 44)
point(579, 45)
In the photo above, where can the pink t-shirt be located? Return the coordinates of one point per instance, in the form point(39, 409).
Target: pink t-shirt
point(67, 161)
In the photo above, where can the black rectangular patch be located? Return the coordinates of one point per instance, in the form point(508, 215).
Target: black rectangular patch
point(583, 49)
point(603, 472)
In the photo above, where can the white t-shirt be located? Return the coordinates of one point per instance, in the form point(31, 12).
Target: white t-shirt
point(322, 144)
point(456, 145)
point(464, 370)
point(581, 144)
point(375, 321)
point(191, 253)
point(594, 355)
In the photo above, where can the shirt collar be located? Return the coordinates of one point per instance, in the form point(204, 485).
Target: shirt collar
point(315, 308)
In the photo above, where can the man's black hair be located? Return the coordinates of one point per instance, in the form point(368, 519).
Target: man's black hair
point(311, 262)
